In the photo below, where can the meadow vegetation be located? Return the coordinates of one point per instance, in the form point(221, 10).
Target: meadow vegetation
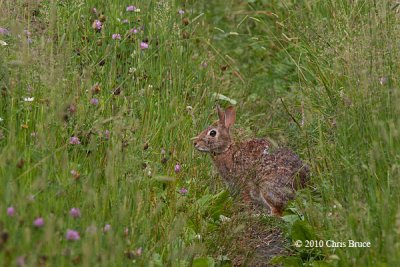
point(99, 101)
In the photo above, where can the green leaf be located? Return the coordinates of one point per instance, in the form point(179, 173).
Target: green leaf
point(277, 260)
point(214, 205)
point(292, 262)
point(321, 264)
point(204, 262)
point(291, 218)
point(301, 230)
point(225, 98)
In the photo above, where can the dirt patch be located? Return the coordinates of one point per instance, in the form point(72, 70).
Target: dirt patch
point(258, 245)
point(252, 240)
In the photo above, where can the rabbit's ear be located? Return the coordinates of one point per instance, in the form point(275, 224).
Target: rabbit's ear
point(230, 116)
point(221, 115)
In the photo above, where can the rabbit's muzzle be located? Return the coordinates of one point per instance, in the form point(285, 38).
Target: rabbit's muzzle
point(200, 145)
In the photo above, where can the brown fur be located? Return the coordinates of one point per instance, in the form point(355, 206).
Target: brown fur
point(252, 168)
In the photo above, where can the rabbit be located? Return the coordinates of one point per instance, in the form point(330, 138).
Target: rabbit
point(253, 169)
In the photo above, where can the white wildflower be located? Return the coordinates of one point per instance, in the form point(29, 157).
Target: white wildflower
point(223, 218)
point(29, 99)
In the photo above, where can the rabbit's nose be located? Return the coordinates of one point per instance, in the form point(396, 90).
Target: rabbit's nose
point(195, 143)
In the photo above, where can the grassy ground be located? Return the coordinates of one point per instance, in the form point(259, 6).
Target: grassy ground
point(98, 123)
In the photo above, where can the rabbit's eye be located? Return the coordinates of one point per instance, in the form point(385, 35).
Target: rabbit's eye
point(213, 133)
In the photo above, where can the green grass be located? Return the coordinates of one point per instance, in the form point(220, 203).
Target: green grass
point(306, 74)
point(337, 62)
point(121, 183)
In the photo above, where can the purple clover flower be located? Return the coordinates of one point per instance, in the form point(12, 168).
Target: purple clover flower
point(75, 174)
point(97, 25)
point(130, 8)
point(144, 45)
point(75, 213)
point(20, 262)
point(4, 31)
point(183, 191)
point(139, 252)
point(74, 140)
point(72, 235)
point(94, 101)
point(38, 222)
point(134, 31)
point(107, 134)
point(116, 36)
point(107, 228)
point(383, 80)
point(177, 168)
point(11, 211)
point(181, 11)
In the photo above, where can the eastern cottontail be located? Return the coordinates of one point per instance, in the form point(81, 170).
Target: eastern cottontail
point(254, 169)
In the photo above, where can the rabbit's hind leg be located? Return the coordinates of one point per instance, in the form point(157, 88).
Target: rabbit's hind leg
point(274, 208)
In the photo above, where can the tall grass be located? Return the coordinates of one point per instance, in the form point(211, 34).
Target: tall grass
point(351, 56)
point(150, 102)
